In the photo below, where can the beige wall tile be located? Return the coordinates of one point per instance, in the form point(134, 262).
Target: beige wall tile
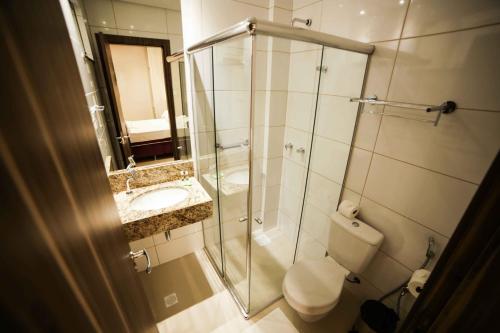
point(100, 13)
point(141, 244)
point(136, 17)
point(462, 145)
point(364, 20)
point(300, 110)
point(174, 24)
point(357, 170)
point(433, 16)
point(380, 69)
point(385, 273)
point(404, 240)
point(336, 118)
point(323, 193)
point(459, 66)
point(179, 247)
point(345, 73)
point(367, 127)
point(303, 75)
point(329, 158)
point(432, 199)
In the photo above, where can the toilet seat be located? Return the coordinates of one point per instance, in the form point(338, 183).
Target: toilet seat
point(313, 286)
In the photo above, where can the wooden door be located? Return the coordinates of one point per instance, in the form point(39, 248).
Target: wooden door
point(103, 42)
point(64, 257)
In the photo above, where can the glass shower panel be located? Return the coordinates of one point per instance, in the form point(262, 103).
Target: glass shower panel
point(204, 131)
point(287, 75)
point(334, 123)
point(232, 65)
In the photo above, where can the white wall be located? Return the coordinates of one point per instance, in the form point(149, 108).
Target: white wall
point(411, 179)
point(79, 38)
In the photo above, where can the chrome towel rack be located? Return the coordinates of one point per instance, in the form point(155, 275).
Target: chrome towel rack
point(444, 108)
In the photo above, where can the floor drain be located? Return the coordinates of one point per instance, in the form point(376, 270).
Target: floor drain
point(171, 300)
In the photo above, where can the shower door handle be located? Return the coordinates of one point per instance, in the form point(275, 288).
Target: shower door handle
point(243, 219)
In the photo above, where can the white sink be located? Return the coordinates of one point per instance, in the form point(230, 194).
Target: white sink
point(160, 198)
point(239, 177)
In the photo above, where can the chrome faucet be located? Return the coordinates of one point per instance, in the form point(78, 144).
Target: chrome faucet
point(131, 171)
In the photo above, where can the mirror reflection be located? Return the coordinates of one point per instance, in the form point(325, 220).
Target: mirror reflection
point(147, 99)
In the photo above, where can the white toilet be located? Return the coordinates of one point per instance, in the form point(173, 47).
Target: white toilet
point(313, 287)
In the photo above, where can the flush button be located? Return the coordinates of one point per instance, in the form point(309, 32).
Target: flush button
point(355, 224)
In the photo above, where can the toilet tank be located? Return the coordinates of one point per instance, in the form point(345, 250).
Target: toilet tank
point(352, 243)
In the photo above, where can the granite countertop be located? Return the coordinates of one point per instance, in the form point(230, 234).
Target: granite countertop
point(139, 224)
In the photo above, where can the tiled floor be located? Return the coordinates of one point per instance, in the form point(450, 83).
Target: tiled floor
point(204, 305)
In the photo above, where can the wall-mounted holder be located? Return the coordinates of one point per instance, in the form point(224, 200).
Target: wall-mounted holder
point(444, 108)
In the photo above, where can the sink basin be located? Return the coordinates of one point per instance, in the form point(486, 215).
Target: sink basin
point(239, 177)
point(159, 198)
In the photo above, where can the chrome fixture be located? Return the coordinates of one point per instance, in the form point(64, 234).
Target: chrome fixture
point(243, 219)
point(184, 175)
point(308, 22)
point(234, 145)
point(289, 145)
point(131, 171)
point(301, 150)
point(444, 108)
point(129, 190)
point(178, 55)
point(137, 254)
point(168, 236)
point(253, 26)
point(258, 220)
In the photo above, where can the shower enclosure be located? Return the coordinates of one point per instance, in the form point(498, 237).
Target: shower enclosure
point(273, 127)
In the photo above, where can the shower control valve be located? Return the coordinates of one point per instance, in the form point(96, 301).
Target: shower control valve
point(289, 145)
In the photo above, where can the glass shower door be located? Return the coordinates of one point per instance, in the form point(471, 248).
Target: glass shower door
point(232, 96)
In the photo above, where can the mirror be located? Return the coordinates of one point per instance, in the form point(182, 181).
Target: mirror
point(147, 98)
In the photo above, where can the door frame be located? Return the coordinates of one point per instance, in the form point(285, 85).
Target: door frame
point(103, 42)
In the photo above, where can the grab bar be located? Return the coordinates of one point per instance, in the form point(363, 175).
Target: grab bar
point(234, 145)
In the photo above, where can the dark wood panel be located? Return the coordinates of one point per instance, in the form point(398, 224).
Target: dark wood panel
point(64, 256)
point(103, 42)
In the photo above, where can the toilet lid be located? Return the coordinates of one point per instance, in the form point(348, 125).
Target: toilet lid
point(314, 284)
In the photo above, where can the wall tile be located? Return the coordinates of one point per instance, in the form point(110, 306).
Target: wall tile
point(179, 247)
point(434, 200)
point(329, 158)
point(323, 193)
point(303, 74)
point(336, 118)
point(275, 142)
point(100, 13)
point(136, 17)
point(277, 108)
point(226, 105)
point(300, 110)
point(358, 169)
point(274, 166)
point(293, 176)
point(404, 240)
point(433, 16)
point(462, 145)
point(345, 72)
point(385, 273)
point(141, 244)
point(459, 66)
point(380, 69)
point(279, 68)
point(174, 24)
point(272, 197)
point(368, 125)
point(316, 223)
point(366, 21)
